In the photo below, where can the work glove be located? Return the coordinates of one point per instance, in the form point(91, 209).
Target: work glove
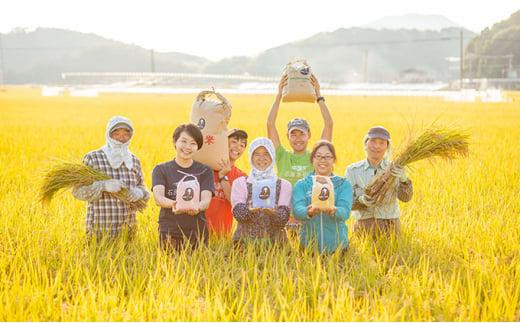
point(135, 194)
point(366, 200)
point(112, 185)
point(399, 173)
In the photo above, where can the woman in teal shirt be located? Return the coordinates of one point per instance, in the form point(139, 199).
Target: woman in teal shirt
point(326, 226)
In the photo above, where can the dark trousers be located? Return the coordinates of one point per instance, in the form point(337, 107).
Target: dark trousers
point(171, 243)
point(376, 227)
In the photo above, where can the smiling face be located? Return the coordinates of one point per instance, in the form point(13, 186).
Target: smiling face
point(298, 140)
point(261, 158)
point(237, 146)
point(376, 148)
point(121, 134)
point(323, 161)
point(185, 146)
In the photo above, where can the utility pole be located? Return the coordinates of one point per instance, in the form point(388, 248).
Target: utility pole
point(365, 66)
point(152, 60)
point(461, 72)
point(510, 66)
point(2, 66)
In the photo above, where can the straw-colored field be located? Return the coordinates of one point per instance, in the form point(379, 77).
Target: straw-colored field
point(458, 257)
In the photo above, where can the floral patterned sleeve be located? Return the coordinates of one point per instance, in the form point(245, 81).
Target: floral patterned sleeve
point(239, 200)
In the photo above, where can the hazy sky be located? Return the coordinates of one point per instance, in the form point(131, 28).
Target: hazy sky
point(216, 29)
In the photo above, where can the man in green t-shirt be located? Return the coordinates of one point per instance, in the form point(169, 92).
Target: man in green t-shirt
point(296, 164)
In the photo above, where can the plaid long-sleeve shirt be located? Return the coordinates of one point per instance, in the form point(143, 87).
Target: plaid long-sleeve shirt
point(104, 212)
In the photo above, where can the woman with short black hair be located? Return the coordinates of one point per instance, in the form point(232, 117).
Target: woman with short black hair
point(183, 189)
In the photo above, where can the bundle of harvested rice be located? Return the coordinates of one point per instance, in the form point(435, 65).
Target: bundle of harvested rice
point(434, 143)
point(68, 175)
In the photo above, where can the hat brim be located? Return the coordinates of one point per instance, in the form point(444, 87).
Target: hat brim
point(378, 136)
point(302, 129)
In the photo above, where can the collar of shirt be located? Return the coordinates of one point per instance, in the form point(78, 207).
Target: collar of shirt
point(383, 165)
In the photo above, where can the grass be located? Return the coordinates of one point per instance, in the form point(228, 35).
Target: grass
point(67, 175)
point(458, 258)
point(434, 143)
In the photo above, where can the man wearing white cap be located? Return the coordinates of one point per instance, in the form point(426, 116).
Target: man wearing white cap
point(296, 164)
point(373, 219)
point(105, 213)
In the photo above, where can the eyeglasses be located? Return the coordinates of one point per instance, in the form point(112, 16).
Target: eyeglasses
point(325, 158)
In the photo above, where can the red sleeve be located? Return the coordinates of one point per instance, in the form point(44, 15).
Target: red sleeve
point(234, 174)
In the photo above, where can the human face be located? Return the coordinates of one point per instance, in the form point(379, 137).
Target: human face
point(298, 140)
point(236, 148)
point(376, 149)
point(121, 134)
point(261, 158)
point(323, 161)
point(185, 146)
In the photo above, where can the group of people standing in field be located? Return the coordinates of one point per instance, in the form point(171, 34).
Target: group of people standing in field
point(228, 193)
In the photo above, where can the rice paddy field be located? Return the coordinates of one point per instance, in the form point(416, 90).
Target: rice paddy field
point(458, 258)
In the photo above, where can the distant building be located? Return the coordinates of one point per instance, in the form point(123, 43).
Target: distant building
point(414, 75)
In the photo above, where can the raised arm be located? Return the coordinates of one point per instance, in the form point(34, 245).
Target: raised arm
point(225, 168)
point(325, 113)
point(272, 133)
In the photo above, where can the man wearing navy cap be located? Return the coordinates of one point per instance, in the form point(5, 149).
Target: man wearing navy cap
point(296, 164)
point(373, 219)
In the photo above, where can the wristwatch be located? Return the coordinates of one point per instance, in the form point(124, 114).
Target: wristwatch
point(320, 98)
point(225, 178)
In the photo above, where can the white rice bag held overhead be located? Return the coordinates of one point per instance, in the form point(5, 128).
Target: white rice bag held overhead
point(212, 118)
point(299, 87)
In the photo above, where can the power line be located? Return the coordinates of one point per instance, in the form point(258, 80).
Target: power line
point(360, 43)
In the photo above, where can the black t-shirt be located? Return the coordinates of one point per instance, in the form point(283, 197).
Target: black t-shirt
point(169, 174)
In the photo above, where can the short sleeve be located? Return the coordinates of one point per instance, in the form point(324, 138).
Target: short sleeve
point(234, 174)
point(281, 152)
point(207, 180)
point(158, 177)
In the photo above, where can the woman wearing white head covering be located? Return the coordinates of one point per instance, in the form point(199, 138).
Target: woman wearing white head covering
point(106, 213)
point(261, 201)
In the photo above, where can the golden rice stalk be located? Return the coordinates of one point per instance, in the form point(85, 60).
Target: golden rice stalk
point(433, 143)
point(68, 175)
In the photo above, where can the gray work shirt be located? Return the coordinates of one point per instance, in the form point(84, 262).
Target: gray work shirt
point(360, 174)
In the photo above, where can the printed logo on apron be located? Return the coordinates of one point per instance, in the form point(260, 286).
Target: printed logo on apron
point(265, 193)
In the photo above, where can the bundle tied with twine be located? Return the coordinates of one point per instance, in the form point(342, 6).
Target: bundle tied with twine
point(433, 143)
point(68, 175)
